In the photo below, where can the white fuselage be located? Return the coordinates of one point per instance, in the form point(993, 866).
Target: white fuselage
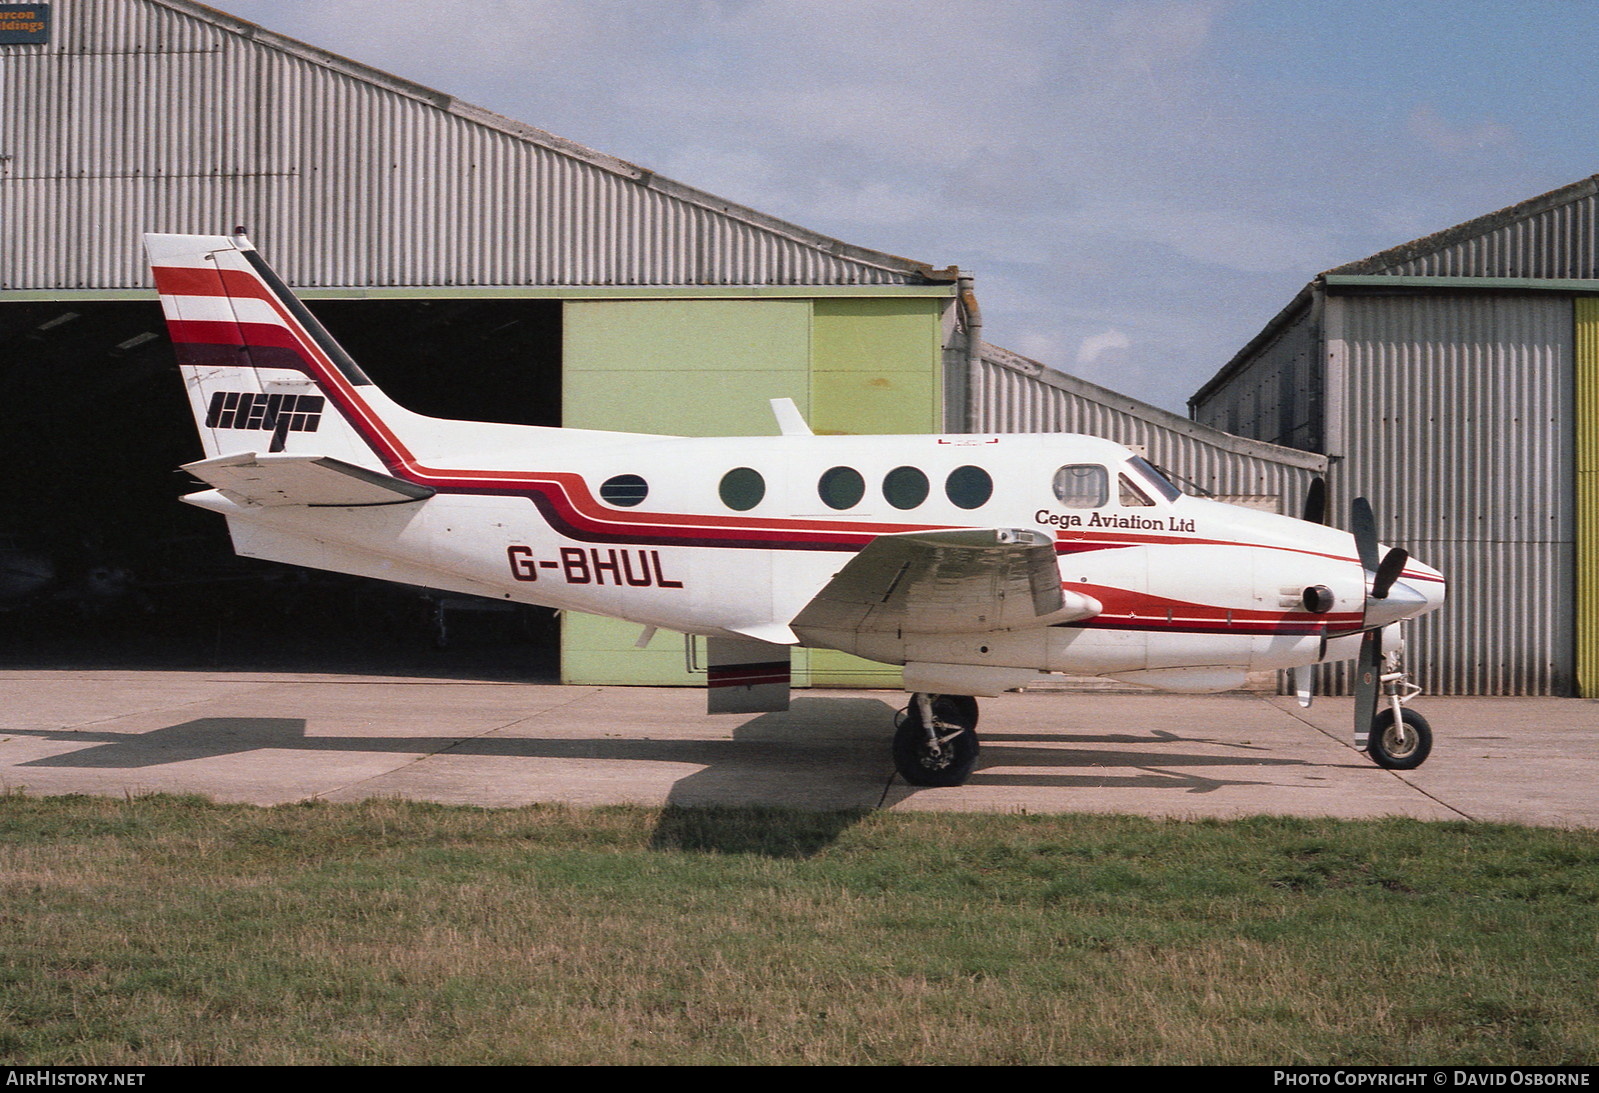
point(1194, 592)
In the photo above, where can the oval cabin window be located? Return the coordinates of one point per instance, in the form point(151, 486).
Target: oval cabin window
point(842, 488)
point(905, 487)
point(969, 487)
point(742, 489)
point(624, 490)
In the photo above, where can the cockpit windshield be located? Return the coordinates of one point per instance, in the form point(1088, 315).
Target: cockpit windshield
point(1159, 481)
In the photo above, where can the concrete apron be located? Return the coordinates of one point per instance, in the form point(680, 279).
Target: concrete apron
point(268, 738)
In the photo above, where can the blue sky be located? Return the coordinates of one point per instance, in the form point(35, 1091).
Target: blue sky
point(1138, 186)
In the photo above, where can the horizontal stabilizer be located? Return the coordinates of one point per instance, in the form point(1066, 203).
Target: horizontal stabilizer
point(317, 481)
point(960, 581)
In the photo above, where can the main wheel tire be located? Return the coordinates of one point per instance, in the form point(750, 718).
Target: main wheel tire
point(1404, 746)
point(955, 761)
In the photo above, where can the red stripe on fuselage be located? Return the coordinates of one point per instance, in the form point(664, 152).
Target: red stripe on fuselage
point(1126, 609)
point(1110, 540)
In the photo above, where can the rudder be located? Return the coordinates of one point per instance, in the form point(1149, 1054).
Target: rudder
point(261, 372)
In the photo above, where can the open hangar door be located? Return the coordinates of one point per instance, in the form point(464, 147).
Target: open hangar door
point(101, 564)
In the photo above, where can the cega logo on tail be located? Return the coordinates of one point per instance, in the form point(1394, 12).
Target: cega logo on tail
point(252, 410)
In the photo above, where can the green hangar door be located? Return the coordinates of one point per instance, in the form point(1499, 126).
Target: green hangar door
point(856, 362)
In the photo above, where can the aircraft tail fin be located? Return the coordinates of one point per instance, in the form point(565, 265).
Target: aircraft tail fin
point(262, 373)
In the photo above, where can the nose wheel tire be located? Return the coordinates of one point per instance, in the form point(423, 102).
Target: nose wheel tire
point(1404, 745)
point(950, 760)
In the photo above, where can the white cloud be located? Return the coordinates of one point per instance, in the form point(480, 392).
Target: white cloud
point(1438, 135)
point(1103, 350)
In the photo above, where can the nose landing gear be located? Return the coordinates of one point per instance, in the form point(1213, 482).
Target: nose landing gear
point(935, 741)
point(1399, 738)
point(1401, 743)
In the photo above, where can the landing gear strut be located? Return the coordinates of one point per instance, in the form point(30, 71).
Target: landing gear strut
point(935, 743)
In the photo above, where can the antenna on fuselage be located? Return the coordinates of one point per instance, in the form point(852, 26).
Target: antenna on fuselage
point(790, 422)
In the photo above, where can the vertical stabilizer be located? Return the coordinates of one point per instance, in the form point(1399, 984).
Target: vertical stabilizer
point(262, 373)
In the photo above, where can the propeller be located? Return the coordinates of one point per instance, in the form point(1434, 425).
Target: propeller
point(1388, 571)
point(1316, 501)
point(1366, 670)
point(1314, 512)
point(1383, 606)
point(1363, 523)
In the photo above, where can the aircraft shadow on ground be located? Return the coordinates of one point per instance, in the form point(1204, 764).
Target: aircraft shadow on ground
point(785, 784)
point(773, 742)
point(763, 831)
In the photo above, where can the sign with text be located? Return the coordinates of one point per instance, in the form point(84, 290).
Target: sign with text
point(24, 24)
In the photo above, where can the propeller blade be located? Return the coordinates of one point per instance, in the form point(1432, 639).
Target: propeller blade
point(1364, 526)
point(1316, 501)
point(1368, 669)
point(1393, 564)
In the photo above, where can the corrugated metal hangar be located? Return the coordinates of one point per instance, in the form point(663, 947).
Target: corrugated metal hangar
point(478, 268)
point(1454, 380)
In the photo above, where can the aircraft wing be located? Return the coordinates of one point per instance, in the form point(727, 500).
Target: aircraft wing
point(313, 480)
point(961, 581)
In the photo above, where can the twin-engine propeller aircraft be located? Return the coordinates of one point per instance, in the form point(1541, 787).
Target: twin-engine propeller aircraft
point(976, 562)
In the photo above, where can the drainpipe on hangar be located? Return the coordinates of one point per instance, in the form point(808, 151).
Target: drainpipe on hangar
point(972, 316)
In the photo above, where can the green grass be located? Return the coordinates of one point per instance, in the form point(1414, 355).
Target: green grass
point(172, 930)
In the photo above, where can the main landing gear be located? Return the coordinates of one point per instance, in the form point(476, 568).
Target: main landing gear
point(935, 740)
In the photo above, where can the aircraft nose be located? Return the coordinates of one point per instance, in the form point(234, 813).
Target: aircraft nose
point(1428, 582)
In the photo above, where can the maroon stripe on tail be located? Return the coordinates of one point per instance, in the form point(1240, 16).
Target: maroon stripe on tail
point(214, 332)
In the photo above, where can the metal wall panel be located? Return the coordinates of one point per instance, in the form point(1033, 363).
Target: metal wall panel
point(1277, 397)
point(1458, 427)
point(161, 115)
point(1016, 395)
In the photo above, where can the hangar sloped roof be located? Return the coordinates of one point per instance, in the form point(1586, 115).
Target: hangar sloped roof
point(1017, 394)
point(167, 115)
point(1550, 237)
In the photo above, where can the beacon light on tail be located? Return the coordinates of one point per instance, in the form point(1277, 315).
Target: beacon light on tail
point(976, 566)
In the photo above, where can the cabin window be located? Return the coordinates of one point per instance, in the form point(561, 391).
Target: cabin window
point(905, 487)
point(1082, 485)
point(742, 489)
point(969, 487)
point(842, 488)
point(1131, 495)
point(625, 490)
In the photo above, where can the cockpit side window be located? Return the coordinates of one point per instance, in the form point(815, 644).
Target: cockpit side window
point(1149, 474)
point(1082, 485)
point(1131, 495)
